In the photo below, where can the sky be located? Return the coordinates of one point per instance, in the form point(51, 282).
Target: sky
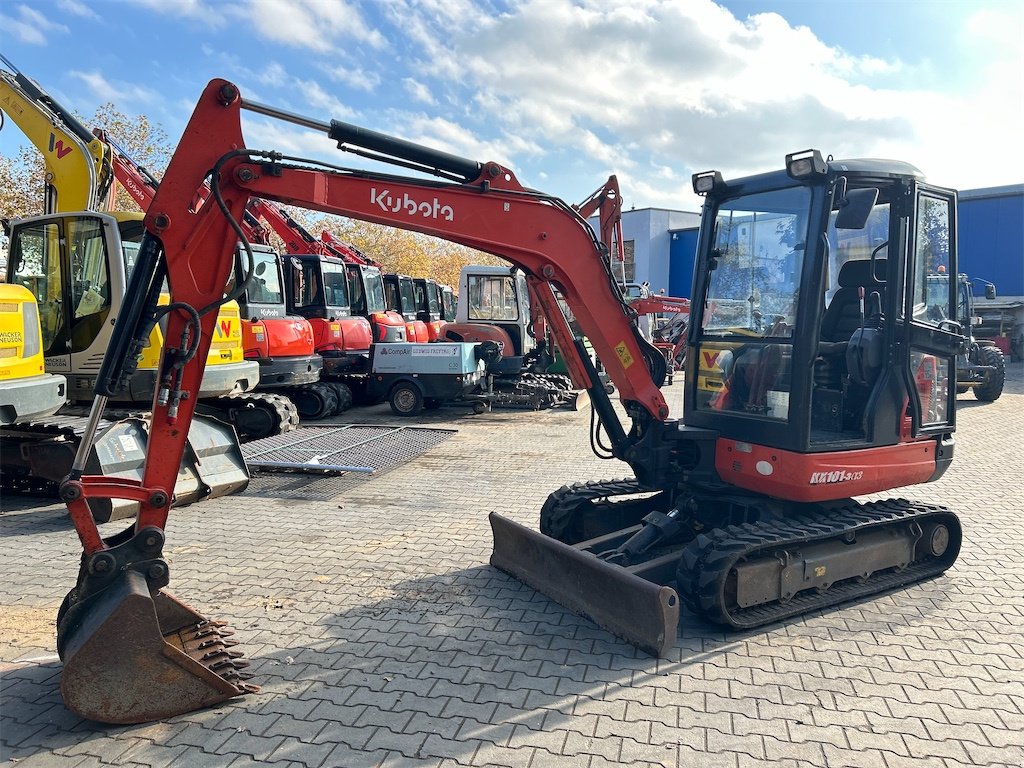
point(565, 92)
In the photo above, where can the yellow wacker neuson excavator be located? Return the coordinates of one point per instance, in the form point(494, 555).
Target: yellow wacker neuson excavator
point(78, 279)
point(809, 295)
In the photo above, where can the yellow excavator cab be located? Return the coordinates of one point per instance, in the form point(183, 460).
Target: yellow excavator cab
point(26, 390)
point(226, 348)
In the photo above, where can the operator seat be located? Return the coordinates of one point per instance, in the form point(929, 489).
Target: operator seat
point(842, 317)
point(850, 349)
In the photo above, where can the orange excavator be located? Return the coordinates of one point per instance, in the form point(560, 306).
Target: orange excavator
point(809, 295)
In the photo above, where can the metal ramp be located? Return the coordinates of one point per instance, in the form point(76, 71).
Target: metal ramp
point(319, 463)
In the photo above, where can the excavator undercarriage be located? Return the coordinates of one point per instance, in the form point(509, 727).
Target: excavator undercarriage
point(771, 563)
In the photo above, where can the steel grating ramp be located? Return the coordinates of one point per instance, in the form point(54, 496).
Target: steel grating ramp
point(332, 459)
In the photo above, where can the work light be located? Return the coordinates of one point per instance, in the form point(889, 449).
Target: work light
point(707, 181)
point(803, 165)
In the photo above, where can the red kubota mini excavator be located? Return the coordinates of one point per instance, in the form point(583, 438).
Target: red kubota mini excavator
point(810, 299)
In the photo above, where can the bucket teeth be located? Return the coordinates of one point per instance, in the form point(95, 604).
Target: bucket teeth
point(128, 663)
point(234, 674)
point(226, 642)
point(206, 630)
point(222, 653)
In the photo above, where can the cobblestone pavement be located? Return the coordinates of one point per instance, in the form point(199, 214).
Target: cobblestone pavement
point(381, 637)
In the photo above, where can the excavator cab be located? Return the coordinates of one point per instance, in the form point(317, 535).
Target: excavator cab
point(792, 283)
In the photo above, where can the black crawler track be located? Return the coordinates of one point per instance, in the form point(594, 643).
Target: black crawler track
point(707, 562)
point(255, 415)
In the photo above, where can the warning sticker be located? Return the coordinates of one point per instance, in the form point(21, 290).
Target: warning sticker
point(623, 352)
point(128, 443)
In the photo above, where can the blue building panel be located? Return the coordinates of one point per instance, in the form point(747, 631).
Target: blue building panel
point(992, 237)
point(682, 254)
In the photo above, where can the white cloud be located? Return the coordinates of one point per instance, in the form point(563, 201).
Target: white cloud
point(418, 91)
point(119, 92)
point(317, 25)
point(77, 8)
point(326, 104)
point(212, 15)
point(30, 26)
point(353, 77)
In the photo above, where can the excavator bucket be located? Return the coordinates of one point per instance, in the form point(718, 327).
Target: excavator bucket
point(641, 612)
point(132, 656)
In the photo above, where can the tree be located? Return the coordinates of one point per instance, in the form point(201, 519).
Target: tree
point(22, 177)
point(21, 184)
point(138, 138)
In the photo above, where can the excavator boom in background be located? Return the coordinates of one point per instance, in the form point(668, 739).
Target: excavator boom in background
point(743, 511)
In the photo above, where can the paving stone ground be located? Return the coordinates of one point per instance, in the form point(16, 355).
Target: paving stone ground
point(381, 637)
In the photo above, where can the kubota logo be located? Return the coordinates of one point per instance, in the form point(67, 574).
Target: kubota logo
point(134, 190)
point(58, 147)
point(392, 204)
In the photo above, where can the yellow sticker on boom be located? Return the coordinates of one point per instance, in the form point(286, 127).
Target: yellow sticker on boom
point(623, 352)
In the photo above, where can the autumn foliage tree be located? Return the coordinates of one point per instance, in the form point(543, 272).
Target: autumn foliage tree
point(22, 176)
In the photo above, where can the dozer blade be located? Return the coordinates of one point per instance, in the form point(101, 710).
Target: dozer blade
point(641, 612)
point(133, 657)
point(211, 466)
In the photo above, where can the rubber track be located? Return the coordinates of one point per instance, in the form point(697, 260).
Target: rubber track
point(556, 516)
point(284, 414)
point(556, 380)
point(707, 560)
point(326, 395)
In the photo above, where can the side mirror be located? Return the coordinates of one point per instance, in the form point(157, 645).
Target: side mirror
point(855, 207)
point(990, 291)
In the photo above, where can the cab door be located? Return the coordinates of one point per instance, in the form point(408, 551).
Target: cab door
point(36, 260)
point(65, 261)
point(934, 336)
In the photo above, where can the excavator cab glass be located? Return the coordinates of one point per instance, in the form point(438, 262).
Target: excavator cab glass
point(492, 297)
point(366, 289)
point(751, 303)
point(407, 292)
point(448, 304)
point(319, 288)
point(64, 263)
point(400, 295)
point(428, 302)
point(336, 296)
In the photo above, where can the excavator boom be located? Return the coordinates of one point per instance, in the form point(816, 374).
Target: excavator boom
point(122, 578)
